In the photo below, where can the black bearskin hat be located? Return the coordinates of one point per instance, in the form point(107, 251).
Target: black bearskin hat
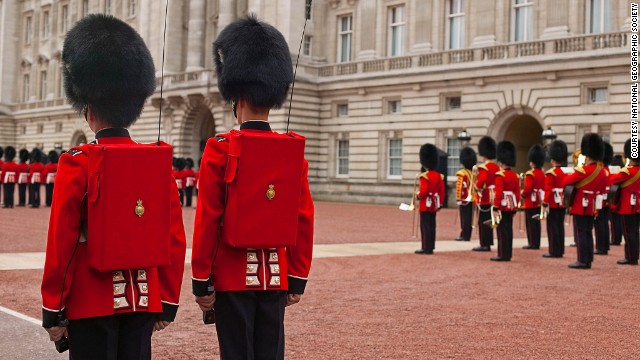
point(23, 155)
point(36, 156)
point(253, 62)
point(627, 150)
point(487, 147)
point(468, 158)
point(558, 151)
point(107, 65)
point(190, 163)
point(429, 156)
point(53, 157)
point(1, 152)
point(537, 155)
point(180, 163)
point(9, 153)
point(617, 160)
point(608, 154)
point(592, 146)
point(506, 153)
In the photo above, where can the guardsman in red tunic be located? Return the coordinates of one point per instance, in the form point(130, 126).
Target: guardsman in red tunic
point(616, 219)
point(532, 195)
point(464, 196)
point(35, 177)
point(49, 174)
point(179, 175)
point(1, 163)
point(430, 196)
point(23, 177)
point(506, 199)
point(628, 205)
point(108, 75)
point(10, 171)
point(249, 287)
point(189, 182)
point(589, 181)
point(553, 198)
point(485, 184)
point(601, 222)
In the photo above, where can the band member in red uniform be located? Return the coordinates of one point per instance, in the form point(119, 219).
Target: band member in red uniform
point(468, 159)
point(629, 181)
point(430, 197)
point(179, 175)
point(484, 188)
point(36, 168)
point(616, 219)
point(189, 181)
point(23, 177)
point(249, 287)
point(553, 198)
point(589, 181)
point(601, 222)
point(10, 172)
point(49, 174)
point(108, 75)
point(1, 163)
point(532, 194)
point(506, 199)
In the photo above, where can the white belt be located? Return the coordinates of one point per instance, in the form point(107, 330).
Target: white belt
point(22, 178)
point(9, 175)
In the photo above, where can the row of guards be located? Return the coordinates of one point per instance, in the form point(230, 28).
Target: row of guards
point(28, 174)
point(600, 191)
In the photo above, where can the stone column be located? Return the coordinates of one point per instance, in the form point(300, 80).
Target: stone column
point(174, 44)
point(557, 19)
point(195, 44)
point(482, 24)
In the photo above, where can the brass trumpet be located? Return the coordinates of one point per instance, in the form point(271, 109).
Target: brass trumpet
point(414, 194)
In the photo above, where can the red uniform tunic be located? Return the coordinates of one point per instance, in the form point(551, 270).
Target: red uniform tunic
point(35, 173)
point(180, 179)
point(189, 178)
point(1, 165)
point(553, 190)
point(237, 269)
point(10, 171)
point(463, 185)
point(630, 190)
point(485, 181)
point(431, 194)
point(92, 293)
point(585, 196)
point(49, 173)
point(23, 175)
point(507, 191)
point(532, 192)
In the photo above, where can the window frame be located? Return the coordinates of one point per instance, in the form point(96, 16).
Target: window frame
point(306, 45)
point(28, 29)
point(44, 83)
point(342, 105)
point(26, 87)
point(604, 25)
point(391, 158)
point(393, 48)
point(340, 157)
point(46, 24)
point(453, 145)
point(345, 35)
point(64, 18)
point(528, 28)
point(451, 17)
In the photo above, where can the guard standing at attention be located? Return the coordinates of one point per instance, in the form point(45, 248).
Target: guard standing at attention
point(587, 182)
point(616, 219)
point(430, 196)
point(628, 180)
point(464, 193)
point(601, 222)
point(49, 174)
point(532, 195)
point(10, 172)
point(553, 198)
point(485, 184)
point(36, 168)
point(23, 177)
point(507, 198)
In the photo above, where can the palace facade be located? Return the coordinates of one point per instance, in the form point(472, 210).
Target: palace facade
point(377, 78)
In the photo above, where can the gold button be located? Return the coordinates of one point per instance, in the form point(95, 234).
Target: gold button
point(144, 288)
point(145, 301)
point(116, 289)
point(116, 303)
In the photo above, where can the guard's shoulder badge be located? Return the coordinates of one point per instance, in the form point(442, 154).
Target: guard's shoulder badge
point(501, 173)
point(551, 172)
point(529, 173)
point(483, 167)
point(625, 170)
point(580, 169)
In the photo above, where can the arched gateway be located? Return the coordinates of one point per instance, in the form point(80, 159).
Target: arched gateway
point(523, 127)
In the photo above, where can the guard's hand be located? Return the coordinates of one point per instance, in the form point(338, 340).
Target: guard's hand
point(57, 332)
point(293, 299)
point(160, 325)
point(206, 302)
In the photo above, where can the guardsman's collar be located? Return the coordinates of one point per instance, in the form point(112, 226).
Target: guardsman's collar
point(255, 125)
point(112, 132)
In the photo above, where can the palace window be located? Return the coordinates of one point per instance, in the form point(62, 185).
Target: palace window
point(453, 161)
point(64, 19)
point(342, 110)
point(43, 85)
point(598, 95)
point(25, 87)
point(396, 31)
point(343, 158)
point(46, 25)
point(523, 17)
point(394, 160)
point(599, 16)
point(28, 30)
point(306, 46)
point(345, 33)
point(394, 106)
point(455, 19)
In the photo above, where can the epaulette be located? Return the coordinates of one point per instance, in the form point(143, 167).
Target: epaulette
point(580, 169)
point(625, 170)
point(483, 167)
point(221, 138)
point(551, 172)
point(74, 152)
point(501, 173)
point(530, 172)
point(461, 173)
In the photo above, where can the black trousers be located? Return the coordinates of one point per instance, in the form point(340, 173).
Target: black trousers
point(533, 227)
point(114, 337)
point(631, 236)
point(49, 194)
point(188, 192)
point(466, 216)
point(250, 324)
point(601, 224)
point(181, 193)
point(555, 231)
point(616, 228)
point(34, 194)
point(9, 189)
point(485, 232)
point(505, 235)
point(582, 231)
point(22, 194)
point(428, 230)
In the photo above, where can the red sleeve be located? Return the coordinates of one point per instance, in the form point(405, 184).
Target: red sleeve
point(548, 186)
point(64, 229)
point(573, 178)
point(517, 190)
point(299, 256)
point(209, 209)
point(618, 178)
point(482, 178)
point(498, 191)
point(528, 185)
point(424, 188)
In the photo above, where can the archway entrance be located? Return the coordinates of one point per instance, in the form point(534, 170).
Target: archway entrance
point(78, 138)
point(524, 131)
